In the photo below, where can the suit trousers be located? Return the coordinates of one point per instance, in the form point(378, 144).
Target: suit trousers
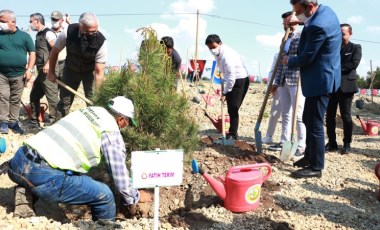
point(73, 80)
point(288, 95)
point(11, 89)
point(234, 100)
point(344, 100)
point(313, 117)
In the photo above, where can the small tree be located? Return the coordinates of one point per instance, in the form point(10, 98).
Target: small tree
point(163, 116)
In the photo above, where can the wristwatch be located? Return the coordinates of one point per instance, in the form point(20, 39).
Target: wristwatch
point(30, 70)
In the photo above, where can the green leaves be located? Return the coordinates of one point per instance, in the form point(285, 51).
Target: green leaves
point(163, 116)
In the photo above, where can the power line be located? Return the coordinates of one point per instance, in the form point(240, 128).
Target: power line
point(184, 13)
point(360, 40)
point(239, 20)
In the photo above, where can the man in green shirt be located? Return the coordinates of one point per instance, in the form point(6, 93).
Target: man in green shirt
point(15, 70)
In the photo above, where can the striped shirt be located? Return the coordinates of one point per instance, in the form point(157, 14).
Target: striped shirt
point(114, 152)
point(285, 74)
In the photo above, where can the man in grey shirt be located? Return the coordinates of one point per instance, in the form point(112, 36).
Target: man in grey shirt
point(86, 52)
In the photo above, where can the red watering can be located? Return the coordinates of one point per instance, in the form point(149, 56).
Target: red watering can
point(43, 108)
point(218, 122)
point(241, 188)
point(371, 127)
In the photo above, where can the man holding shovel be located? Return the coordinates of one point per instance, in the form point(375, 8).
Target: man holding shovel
point(86, 53)
point(286, 85)
point(51, 164)
point(319, 62)
point(235, 78)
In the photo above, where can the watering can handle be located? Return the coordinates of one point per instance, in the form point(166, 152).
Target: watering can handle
point(46, 106)
point(253, 166)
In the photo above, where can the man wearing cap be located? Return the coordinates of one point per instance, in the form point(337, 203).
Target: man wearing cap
point(51, 165)
point(57, 25)
point(86, 53)
point(45, 40)
point(286, 85)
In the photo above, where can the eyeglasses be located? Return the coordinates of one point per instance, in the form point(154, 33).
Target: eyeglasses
point(54, 20)
point(32, 20)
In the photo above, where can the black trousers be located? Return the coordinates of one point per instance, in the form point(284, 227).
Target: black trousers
point(73, 80)
point(344, 100)
point(43, 87)
point(234, 100)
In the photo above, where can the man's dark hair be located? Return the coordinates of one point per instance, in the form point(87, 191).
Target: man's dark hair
point(304, 2)
point(168, 41)
point(39, 17)
point(346, 25)
point(213, 38)
point(287, 14)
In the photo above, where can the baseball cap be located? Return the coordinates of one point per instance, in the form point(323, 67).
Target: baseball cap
point(124, 106)
point(286, 14)
point(56, 15)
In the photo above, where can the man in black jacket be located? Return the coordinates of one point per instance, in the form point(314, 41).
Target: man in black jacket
point(86, 57)
point(45, 40)
point(350, 54)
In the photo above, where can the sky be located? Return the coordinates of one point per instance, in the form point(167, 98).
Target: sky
point(252, 27)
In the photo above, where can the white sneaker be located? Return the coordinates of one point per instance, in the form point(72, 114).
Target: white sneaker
point(298, 155)
point(276, 147)
point(267, 140)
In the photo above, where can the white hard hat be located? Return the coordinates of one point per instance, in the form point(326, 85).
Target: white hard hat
point(124, 106)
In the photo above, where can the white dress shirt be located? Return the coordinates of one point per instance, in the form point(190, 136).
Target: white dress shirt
point(231, 66)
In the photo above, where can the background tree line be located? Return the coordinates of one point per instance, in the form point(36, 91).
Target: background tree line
point(366, 82)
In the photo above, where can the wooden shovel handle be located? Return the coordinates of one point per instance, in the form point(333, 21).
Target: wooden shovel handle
point(279, 59)
point(74, 92)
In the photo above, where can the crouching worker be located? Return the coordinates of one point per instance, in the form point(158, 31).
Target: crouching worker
point(51, 165)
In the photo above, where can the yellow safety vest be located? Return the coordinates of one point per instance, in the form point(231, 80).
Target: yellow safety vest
point(73, 143)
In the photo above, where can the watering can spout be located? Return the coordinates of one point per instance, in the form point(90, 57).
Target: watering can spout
point(364, 125)
point(216, 185)
point(213, 120)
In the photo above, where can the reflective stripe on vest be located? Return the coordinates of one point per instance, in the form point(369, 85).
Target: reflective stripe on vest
point(73, 143)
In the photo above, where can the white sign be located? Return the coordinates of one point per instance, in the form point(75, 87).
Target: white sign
point(157, 168)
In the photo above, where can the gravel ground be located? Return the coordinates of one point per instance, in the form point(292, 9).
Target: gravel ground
point(344, 198)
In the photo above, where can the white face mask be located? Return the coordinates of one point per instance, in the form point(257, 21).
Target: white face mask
point(33, 28)
point(4, 26)
point(302, 17)
point(55, 25)
point(215, 52)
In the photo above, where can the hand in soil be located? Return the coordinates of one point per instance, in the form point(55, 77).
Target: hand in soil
point(145, 196)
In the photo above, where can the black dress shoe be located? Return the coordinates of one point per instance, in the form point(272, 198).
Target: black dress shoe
point(346, 148)
point(302, 163)
point(331, 147)
point(307, 173)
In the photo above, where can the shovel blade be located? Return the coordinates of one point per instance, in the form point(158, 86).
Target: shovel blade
point(258, 141)
point(289, 148)
point(225, 142)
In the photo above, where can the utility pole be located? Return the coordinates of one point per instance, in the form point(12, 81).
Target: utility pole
point(259, 70)
point(195, 61)
point(372, 79)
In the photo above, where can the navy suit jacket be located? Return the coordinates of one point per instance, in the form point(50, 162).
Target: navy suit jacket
point(319, 54)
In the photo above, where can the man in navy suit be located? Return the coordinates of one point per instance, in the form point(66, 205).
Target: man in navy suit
point(319, 62)
point(350, 55)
